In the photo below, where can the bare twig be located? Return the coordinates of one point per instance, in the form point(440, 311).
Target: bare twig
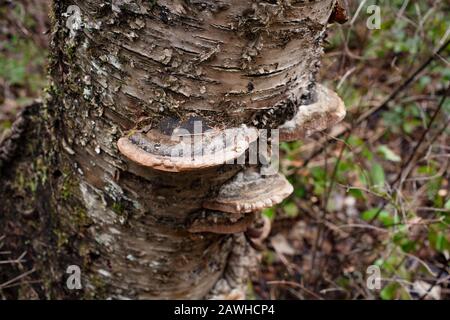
point(405, 84)
point(23, 275)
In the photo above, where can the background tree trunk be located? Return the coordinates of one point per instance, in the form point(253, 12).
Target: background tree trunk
point(71, 198)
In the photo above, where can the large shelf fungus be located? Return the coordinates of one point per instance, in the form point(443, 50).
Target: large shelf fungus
point(326, 111)
point(237, 206)
point(182, 149)
point(250, 191)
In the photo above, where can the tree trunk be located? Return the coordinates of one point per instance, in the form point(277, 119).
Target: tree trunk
point(87, 177)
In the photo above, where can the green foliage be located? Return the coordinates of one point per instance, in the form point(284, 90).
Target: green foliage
point(377, 175)
point(389, 292)
point(388, 153)
point(411, 217)
point(269, 213)
point(403, 118)
point(17, 58)
point(439, 238)
point(291, 209)
point(382, 215)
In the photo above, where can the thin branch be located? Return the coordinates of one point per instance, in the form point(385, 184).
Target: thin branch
point(405, 84)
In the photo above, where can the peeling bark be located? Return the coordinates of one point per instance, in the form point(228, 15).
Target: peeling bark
point(129, 67)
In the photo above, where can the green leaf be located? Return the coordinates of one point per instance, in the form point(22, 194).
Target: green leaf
point(318, 173)
point(367, 154)
point(401, 239)
point(291, 209)
point(377, 175)
point(368, 215)
point(441, 242)
point(438, 241)
point(355, 141)
point(319, 176)
point(383, 216)
point(356, 193)
point(408, 245)
point(410, 125)
point(300, 192)
point(289, 147)
point(389, 291)
point(363, 177)
point(447, 205)
point(387, 219)
point(424, 81)
point(269, 213)
point(388, 153)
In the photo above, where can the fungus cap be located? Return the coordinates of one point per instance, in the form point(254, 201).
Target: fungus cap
point(185, 151)
point(328, 110)
point(250, 191)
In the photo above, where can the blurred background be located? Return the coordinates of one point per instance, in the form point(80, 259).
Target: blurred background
point(372, 192)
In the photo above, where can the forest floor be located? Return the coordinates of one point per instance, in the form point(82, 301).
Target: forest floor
point(371, 194)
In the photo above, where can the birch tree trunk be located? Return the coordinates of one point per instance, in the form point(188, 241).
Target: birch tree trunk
point(70, 196)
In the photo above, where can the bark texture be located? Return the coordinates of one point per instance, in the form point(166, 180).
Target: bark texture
point(130, 67)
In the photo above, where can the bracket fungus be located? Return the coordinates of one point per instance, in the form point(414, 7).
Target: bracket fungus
point(237, 205)
point(183, 150)
point(328, 110)
point(250, 191)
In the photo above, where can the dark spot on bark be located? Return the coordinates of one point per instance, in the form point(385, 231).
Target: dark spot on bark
point(168, 125)
point(250, 87)
point(94, 255)
point(214, 7)
point(274, 117)
point(189, 124)
point(57, 174)
point(56, 124)
point(163, 14)
point(248, 13)
point(196, 183)
point(116, 175)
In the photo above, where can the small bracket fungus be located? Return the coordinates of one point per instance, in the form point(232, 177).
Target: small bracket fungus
point(218, 223)
point(183, 150)
point(328, 110)
point(250, 191)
